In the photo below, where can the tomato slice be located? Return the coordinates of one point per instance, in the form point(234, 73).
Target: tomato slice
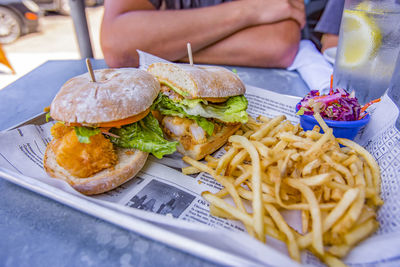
point(216, 99)
point(119, 123)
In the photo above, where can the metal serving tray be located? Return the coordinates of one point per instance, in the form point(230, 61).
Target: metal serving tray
point(128, 218)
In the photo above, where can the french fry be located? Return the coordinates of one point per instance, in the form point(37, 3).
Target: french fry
point(352, 214)
point(249, 196)
point(337, 194)
point(209, 158)
point(369, 192)
point(368, 176)
point(295, 156)
point(314, 212)
point(258, 210)
point(253, 124)
point(276, 166)
point(320, 120)
point(242, 178)
point(248, 133)
point(332, 261)
point(356, 235)
point(268, 141)
point(361, 232)
point(327, 193)
point(237, 159)
point(224, 160)
point(311, 166)
point(283, 166)
point(290, 137)
point(262, 149)
point(299, 206)
point(232, 211)
point(212, 164)
point(197, 164)
point(339, 156)
point(266, 189)
point(359, 175)
point(317, 145)
point(278, 149)
point(217, 212)
point(316, 180)
point(340, 168)
point(315, 135)
point(273, 232)
point(293, 249)
point(366, 214)
point(332, 217)
point(350, 160)
point(190, 170)
point(375, 171)
point(353, 169)
point(221, 179)
point(284, 126)
point(263, 131)
point(299, 145)
point(339, 250)
point(239, 132)
point(263, 118)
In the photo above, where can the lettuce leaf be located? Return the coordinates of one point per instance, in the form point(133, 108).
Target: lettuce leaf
point(48, 117)
point(170, 108)
point(84, 133)
point(145, 135)
point(233, 110)
point(191, 103)
point(182, 93)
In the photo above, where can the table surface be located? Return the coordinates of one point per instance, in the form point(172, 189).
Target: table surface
point(38, 231)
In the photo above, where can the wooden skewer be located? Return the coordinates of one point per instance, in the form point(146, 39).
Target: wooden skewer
point(189, 48)
point(90, 69)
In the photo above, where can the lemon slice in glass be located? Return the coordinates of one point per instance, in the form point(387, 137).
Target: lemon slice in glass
point(360, 38)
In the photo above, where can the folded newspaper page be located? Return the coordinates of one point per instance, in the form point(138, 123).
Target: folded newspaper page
point(162, 195)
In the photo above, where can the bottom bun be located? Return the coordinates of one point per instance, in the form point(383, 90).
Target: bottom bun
point(213, 143)
point(130, 162)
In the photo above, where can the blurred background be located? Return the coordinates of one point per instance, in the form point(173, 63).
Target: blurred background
point(35, 31)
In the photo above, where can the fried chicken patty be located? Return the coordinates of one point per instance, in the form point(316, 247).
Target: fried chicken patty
point(81, 159)
point(171, 93)
point(187, 131)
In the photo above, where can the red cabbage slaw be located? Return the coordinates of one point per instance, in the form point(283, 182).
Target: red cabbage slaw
point(339, 105)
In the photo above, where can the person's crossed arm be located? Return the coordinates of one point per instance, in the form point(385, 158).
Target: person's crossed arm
point(260, 33)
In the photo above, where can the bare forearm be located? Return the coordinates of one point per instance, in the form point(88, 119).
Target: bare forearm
point(329, 40)
point(167, 32)
point(272, 45)
point(135, 24)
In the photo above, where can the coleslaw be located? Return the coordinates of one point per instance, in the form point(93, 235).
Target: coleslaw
point(338, 105)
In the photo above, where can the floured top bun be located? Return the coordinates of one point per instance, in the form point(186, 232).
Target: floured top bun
point(198, 81)
point(117, 94)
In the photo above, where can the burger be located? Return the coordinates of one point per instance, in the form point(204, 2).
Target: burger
point(105, 129)
point(198, 106)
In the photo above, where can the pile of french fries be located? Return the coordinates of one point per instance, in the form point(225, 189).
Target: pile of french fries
point(276, 166)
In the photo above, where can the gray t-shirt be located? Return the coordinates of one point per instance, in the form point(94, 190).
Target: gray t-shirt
point(185, 4)
point(331, 18)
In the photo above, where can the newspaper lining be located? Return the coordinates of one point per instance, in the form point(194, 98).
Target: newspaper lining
point(165, 191)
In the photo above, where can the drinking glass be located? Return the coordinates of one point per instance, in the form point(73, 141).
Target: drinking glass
point(394, 89)
point(369, 42)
